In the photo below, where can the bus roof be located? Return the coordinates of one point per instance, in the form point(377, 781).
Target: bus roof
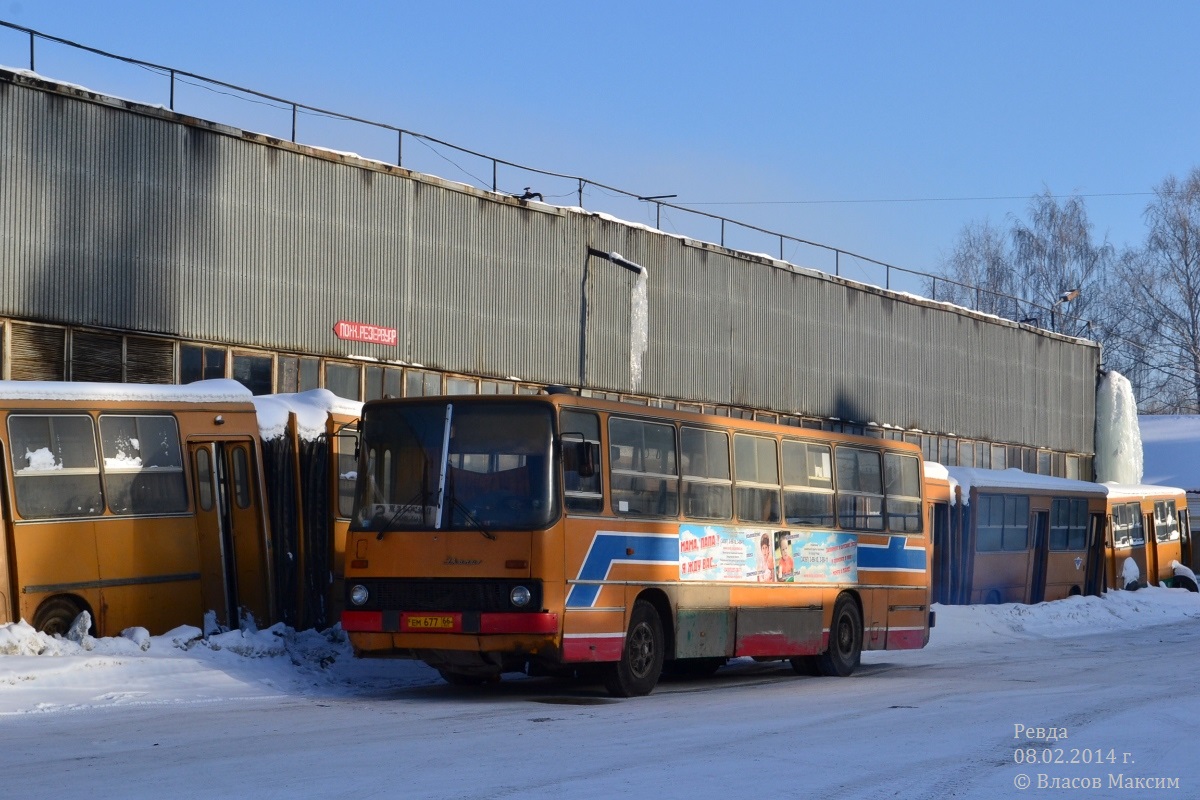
point(1139, 491)
point(221, 390)
point(1012, 478)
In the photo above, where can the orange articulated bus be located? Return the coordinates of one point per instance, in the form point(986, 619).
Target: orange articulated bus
point(157, 506)
point(1149, 532)
point(142, 505)
point(564, 534)
point(1014, 537)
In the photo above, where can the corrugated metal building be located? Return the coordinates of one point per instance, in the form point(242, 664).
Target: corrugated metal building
point(139, 244)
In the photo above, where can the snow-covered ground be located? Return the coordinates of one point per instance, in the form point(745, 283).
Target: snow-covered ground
point(1108, 683)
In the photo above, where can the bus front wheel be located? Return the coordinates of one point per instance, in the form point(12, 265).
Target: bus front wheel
point(641, 661)
point(845, 639)
point(55, 615)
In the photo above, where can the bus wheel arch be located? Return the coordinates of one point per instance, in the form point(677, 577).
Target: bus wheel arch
point(637, 671)
point(1076, 591)
point(58, 612)
point(842, 656)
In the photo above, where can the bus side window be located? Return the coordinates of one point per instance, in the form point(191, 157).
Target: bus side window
point(645, 479)
point(807, 483)
point(903, 493)
point(859, 489)
point(55, 466)
point(757, 474)
point(707, 488)
point(580, 442)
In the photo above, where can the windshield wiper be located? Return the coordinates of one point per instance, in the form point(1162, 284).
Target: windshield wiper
point(417, 501)
point(455, 503)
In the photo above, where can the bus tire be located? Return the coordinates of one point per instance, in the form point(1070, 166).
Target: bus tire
point(1184, 582)
point(638, 670)
point(845, 639)
point(56, 614)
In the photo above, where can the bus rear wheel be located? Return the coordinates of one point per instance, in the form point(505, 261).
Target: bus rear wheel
point(55, 615)
point(845, 640)
point(641, 661)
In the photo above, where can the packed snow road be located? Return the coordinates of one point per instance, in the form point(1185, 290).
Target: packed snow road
point(1096, 695)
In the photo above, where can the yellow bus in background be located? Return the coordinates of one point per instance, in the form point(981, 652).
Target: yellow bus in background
point(1014, 537)
point(1148, 532)
point(142, 505)
point(564, 534)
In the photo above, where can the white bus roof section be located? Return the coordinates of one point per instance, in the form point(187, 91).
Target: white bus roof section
point(1125, 491)
point(222, 390)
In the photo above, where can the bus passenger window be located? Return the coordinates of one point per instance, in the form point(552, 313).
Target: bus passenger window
point(807, 484)
point(1068, 524)
point(757, 478)
point(1166, 523)
point(582, 484)
point(707, 487)
point(56, 470)
point(902, 486)
point(644, 475)
point(859, 489)
point(143, 466)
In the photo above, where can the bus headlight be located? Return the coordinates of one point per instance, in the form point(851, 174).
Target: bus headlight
point(359, 594)
point(520, 596)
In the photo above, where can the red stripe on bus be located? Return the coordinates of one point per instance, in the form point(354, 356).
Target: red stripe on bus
point(776, 644)
point(905, 640)
point(518, 623)
point(599, 648)
point(369, 621)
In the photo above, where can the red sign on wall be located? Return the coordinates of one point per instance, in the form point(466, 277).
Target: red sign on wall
point(362, 332)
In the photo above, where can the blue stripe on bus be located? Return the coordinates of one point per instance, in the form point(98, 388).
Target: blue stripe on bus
point(897, 555)
point(611, 548)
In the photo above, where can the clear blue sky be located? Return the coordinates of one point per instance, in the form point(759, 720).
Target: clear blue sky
point(873, 127)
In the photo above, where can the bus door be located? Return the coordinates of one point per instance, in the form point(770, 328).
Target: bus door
point(1151, 531)
point(1093, 580)
point(1039, 523)
point(943, 556)
point(233, 560)
point(8, 598)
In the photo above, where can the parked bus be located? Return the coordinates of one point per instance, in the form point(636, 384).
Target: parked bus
point(142, 505)
point(1149, 528)
point(557, 533)
point(156, 506)
point(1014, 537)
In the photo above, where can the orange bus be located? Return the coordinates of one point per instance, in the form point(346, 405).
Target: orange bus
point(565, 534)
point(1149, 528)
point(1014, 537)
point(141, 505)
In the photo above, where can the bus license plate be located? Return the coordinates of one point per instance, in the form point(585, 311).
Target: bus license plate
point(431, 622)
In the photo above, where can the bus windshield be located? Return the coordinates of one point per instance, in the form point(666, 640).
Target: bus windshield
point(455, 466)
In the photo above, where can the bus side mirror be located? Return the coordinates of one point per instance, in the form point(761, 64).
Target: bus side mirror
point(579, 456)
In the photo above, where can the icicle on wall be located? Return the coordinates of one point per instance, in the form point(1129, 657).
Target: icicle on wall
point(638, 322)
point(1118, 438)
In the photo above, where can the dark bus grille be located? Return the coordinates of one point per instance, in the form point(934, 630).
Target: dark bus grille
point(432, 595)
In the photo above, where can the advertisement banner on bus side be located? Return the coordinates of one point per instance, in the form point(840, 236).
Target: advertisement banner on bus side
point(721, 553)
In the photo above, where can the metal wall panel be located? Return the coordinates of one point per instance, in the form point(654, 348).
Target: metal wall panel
point(133, 218)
